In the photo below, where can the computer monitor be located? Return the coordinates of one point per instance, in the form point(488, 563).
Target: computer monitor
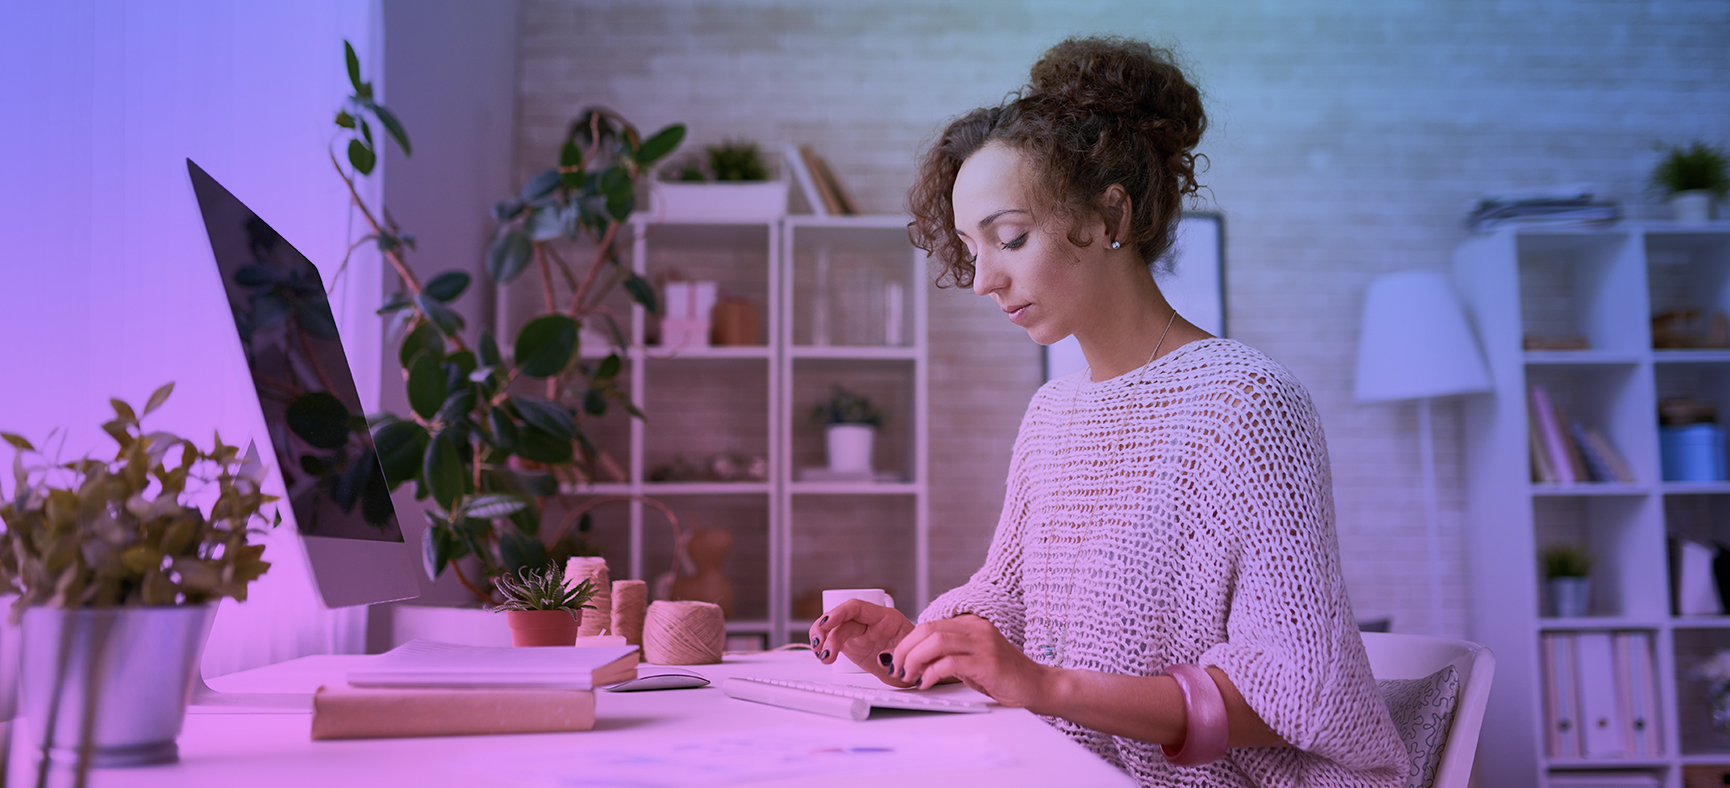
point(334, 483)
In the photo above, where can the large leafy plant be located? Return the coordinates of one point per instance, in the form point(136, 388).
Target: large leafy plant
point(478, 442)
point(124, 532)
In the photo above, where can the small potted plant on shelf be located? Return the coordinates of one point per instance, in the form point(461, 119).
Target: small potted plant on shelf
point(1715, 674)
point(1566, 570)
point(851, 422)
point(118, 566)
point(541, 608)
point(731, 182)
point(1692, 178)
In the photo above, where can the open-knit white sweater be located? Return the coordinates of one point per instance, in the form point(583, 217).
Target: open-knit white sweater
point(1183, 513)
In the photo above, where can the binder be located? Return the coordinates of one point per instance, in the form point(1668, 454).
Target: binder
point(1640, 693)
point(1561, 705)
point(1601, 715)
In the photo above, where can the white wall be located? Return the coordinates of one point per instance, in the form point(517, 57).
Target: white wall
point(107, 286)
point(1346, 139)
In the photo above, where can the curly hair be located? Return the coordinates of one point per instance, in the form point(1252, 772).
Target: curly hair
point(1095, 112)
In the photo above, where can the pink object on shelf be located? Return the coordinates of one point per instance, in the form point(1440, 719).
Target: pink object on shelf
point(1554, 440)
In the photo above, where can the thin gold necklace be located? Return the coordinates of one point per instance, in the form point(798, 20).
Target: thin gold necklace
point(1058, 651)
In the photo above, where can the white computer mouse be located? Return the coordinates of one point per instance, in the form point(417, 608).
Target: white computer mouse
point(660, 681)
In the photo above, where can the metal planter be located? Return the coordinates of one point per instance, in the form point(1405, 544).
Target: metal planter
point(130, 670)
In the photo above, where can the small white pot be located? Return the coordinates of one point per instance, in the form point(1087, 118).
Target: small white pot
point(718, 202)
point(850, 447)
point(1692, 207)
point(1571, 596)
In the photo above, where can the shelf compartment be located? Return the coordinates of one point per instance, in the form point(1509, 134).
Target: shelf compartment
point(852, 286)
point(1693, 703)
point(1623, 536)
point(733, 256)
point(705, 420)
point(1613, 399)
point(852, 541)
point(1582, 285)
point(890, 385)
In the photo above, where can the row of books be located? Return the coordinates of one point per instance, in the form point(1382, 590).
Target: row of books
point(1564, 451)
point(1600, 695)
point(817, 180)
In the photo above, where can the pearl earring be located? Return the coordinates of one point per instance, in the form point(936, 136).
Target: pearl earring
point(1117, 244)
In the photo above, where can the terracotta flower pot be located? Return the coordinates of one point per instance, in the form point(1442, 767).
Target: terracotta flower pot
point(542, 627)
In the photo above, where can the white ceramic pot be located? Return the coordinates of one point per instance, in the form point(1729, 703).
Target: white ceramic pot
point(715, 202)
point(850, 447)
point(140, 664)
point(1691, 207)
point(1571, 596)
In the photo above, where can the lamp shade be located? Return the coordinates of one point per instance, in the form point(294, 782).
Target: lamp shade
point(1415, 341)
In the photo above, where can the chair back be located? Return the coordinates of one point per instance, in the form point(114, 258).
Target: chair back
point(1397, 656)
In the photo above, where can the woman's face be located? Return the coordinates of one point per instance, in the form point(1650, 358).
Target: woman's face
point(1028, 267)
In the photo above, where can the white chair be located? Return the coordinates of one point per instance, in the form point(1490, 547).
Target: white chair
point(1416, 656)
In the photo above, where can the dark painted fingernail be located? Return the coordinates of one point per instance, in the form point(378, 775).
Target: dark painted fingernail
point(816, 642)
point(886, 658)
point(914, 681)
point(825, 653)
point(902, 673)
point(823, 619)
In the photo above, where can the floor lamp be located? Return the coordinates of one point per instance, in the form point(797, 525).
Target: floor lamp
point(1415, 344)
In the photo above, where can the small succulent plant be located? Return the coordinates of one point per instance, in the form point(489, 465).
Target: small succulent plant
point(1698, 167)
point(127, 532)
point(1567, 561)
point(542, 589)
point(846, 407)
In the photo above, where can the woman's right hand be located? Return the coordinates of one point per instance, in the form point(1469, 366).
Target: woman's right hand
point(862, 631)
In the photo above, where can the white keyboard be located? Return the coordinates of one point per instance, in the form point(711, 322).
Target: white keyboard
point(840, 700)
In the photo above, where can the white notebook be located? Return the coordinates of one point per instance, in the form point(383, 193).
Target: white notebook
point(422, 663)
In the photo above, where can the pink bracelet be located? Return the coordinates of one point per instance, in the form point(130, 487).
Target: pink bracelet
point(1204, 740)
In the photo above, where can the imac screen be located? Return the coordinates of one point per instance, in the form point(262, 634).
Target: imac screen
point(324, 450)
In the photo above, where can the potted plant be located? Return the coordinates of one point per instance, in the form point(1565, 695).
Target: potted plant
point(1692, 179)
point(118, 566)
point(497, 427)
point(1566, 570)
point(730, 183)
point(850, 421)
point(540, 608)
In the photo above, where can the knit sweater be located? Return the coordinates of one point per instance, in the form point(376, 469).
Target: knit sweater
point(1183, 513)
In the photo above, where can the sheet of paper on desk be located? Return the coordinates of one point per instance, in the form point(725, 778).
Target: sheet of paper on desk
point(422, 663)
point(765, 754)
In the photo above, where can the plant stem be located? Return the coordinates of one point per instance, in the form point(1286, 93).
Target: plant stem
point(602, 255)
point(479, 594)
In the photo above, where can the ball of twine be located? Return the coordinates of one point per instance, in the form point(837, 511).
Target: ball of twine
point(599, 618)
point(630, 598)
point(684, 633)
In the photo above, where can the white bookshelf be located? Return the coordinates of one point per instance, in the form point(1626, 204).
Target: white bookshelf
point(1604, 284)
point(812, 280)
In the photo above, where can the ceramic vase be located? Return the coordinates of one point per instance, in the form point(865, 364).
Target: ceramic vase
point(1692, 207)
point(124, 673)
point(850, 447)
point(1571, 597)
point(542, 627)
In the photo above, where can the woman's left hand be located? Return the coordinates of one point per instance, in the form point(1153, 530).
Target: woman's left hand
point(970, 649)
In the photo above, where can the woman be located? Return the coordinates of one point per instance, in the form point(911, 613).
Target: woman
point(1164, 581)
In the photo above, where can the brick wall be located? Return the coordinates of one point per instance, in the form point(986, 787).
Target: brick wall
point(1346, 141)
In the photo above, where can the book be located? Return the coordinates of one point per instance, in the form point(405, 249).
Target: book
point(1618, 465)
point(355, 713)
point(795, 158)
point(1542, 471)
point(814, 164)
point(1597, 465)
point(1601, 717)
point(1561, 697)
point(1555, 444)
point(1576, 463)
point(424, 664)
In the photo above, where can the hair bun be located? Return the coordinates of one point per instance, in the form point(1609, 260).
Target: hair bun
point(1129, 85)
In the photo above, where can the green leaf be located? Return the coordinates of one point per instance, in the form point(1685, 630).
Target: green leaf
point(158, 397)
point(457, 405)
point(546, 224)
point(570, 155)
point(344, 120)
point(503, 429)
point(447, 286)
point(642, 292)
point(17, 441)
point(447, 319)
point(536, 444)
point(425, 336)
point(595, 402)
point(463, 362)
point(401, 446)
point(396, 303)
point(444, 470)
point(508, 256)
point(319, 418)
point(427, 388)
point(393, 127)
point(546, 345)
point(620, 205)
point(523, 484)
point(505, 210)
point(660, 145)
point(609, 368)
point(361, 156)
point(518, 552)
point(540, 186)
point(547, 415)
point(488, 507)
point(614, 179)
point(435, 546)
point(122, 411)
point(353, 65)
point(489, 349)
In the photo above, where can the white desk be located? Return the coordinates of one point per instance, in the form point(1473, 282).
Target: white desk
point(262, 750)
